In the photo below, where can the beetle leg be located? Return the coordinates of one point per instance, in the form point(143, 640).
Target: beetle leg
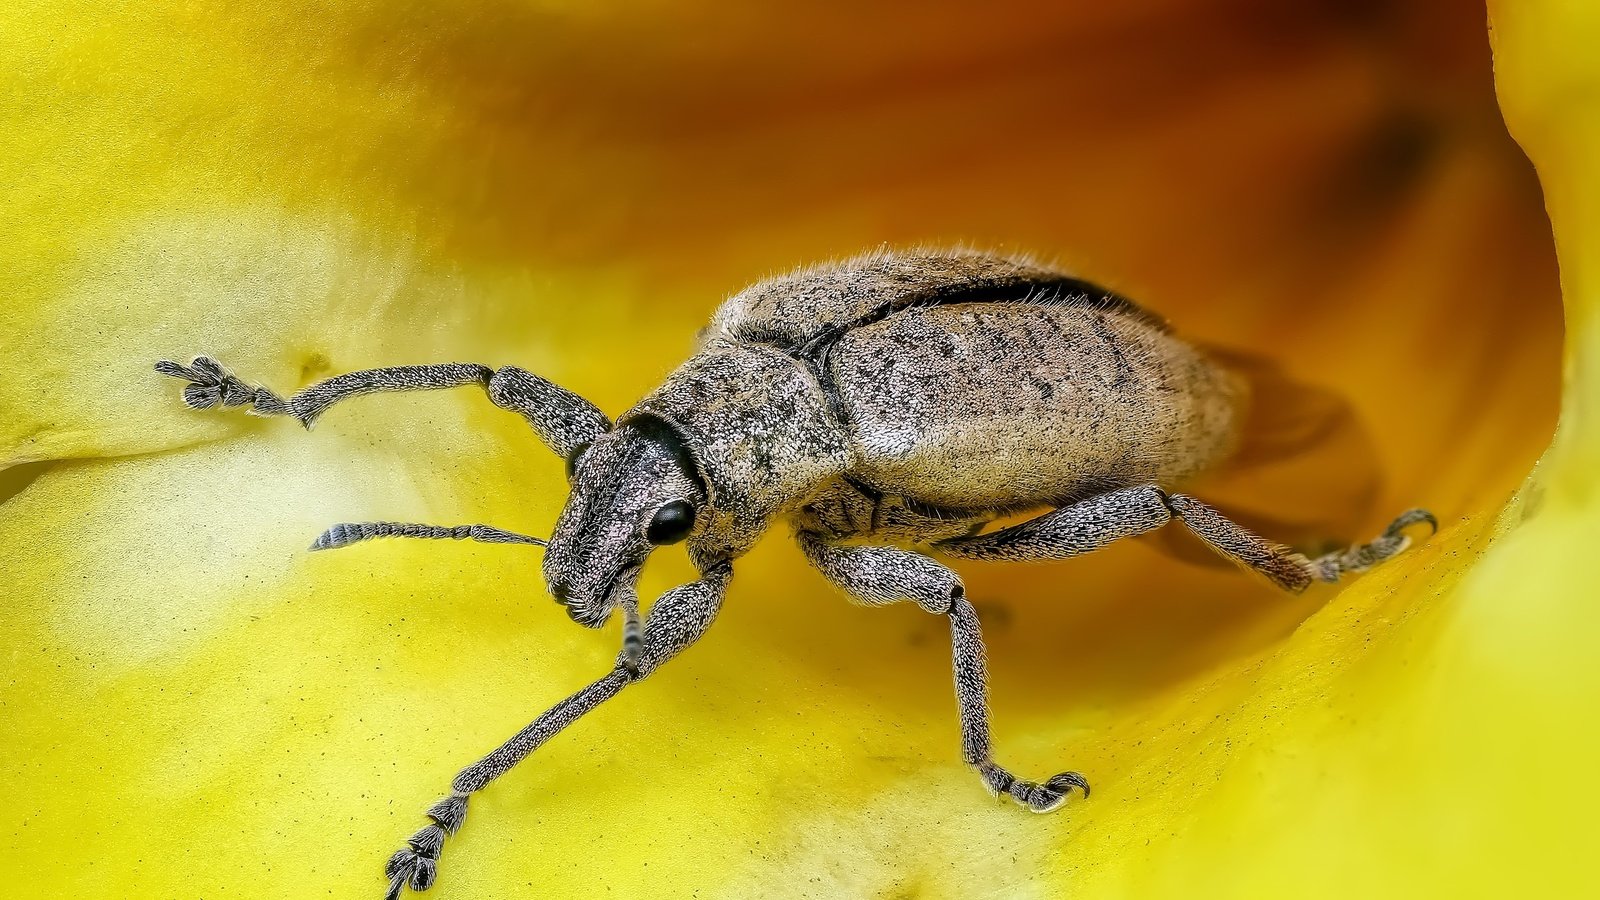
point(1091, 524)
point(876, 576)
point(972, 697)
point(676, 620)
point(562, 419)
point(880, 575)
point(1287, 568)
point(1071, 530)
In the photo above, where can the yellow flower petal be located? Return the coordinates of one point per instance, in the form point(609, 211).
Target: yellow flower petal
point(197, 707)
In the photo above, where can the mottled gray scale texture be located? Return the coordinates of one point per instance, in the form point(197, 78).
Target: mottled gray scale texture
point(879, 575)
point(677, 620)
point(843, 508)
point(972, 700)
point(1361, 557)
point(797, 309)
point(1282, 566)
point(876, 576)
point(346, 533)
point(562, 419)
point(895, 398)
point(761, 431)
point(1285, 567)
point(1012, 405)
point(599, 543)
point(1070, 531)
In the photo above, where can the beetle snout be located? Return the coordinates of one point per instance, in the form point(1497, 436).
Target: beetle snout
point(562, 591)
point(584, 602)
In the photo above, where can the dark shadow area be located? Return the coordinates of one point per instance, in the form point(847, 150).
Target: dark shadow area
point(16, 479)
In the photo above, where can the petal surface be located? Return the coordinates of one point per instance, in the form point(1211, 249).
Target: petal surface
point(196, 706)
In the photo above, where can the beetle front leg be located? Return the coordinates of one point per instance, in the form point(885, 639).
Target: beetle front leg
point(676, 620)
point(880, 575)
point(562, 419)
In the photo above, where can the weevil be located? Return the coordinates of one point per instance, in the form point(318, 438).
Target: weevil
point(890, 408)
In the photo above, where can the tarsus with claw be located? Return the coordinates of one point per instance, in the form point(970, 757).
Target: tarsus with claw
point(676, 620)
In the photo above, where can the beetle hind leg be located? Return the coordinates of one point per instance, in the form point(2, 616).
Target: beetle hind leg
point(1390, 543)
point(1039, 797)
point(1097, 521)
point(1287, 568)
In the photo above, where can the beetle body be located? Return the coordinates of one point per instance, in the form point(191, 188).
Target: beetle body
point(957, 386)
point(892, 399)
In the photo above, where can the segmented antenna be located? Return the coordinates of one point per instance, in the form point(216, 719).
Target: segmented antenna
point(347, 533)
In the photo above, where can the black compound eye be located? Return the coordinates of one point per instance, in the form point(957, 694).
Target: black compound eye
point(572, 459)
point(671, 523)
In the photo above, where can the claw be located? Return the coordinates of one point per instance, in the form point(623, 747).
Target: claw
point(1066, 781)
point(1412, 517)
point(1048, 797)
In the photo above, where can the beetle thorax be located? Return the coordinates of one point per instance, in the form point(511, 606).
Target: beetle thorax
point(760, 431)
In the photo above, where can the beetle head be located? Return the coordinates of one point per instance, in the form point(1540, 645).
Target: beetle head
point(633, 489)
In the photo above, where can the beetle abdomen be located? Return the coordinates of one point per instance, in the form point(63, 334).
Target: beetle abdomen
point(1013, 404)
